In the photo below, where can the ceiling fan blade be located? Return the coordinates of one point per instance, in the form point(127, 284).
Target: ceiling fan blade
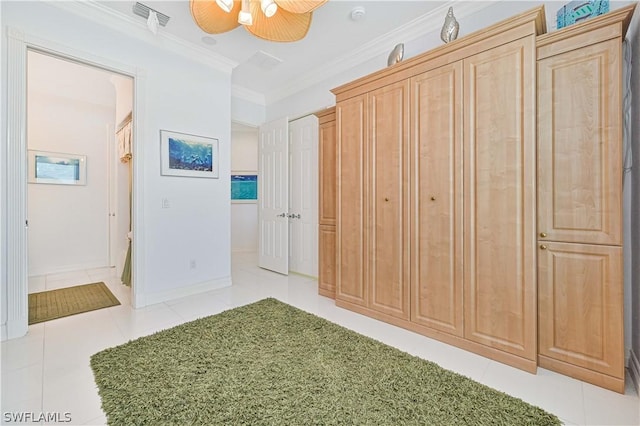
point(213, 20)
point(284, 26)
point(300, 6)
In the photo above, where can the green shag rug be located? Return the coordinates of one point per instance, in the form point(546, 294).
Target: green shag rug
point(269, 363)
point(63, 302)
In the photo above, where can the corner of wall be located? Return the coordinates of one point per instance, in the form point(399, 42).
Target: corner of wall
point(634, 369)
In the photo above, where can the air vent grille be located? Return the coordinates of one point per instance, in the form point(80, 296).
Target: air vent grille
point(143, 10)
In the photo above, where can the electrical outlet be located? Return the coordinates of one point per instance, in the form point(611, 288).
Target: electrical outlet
point(165, 203)
point(192, 264)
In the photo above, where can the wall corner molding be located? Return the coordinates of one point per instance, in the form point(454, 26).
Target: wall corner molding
point(240, 92)
point(634, 369)
point(420, 26)
point(136, 28)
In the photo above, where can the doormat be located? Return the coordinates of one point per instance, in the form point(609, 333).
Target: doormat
point(63, 302)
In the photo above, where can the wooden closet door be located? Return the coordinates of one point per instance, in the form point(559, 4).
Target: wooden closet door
point(579, 160)
point(328, 176)
point(389, 266)
point(327, 261)
point(499, 145)
point(581, 304)
point(436, 199)
point(352, 135)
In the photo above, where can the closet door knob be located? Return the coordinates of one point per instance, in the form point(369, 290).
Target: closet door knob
point(543, 234)
point(386, 199)
point(543, 247)
point(433, 198)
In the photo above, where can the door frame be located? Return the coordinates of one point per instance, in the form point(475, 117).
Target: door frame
point(15, 164)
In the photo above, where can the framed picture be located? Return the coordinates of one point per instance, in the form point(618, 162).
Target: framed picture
point(244, 187)
point(187, 155)
point(57, 168)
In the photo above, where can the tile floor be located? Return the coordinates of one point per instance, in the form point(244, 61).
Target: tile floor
point(48, 370)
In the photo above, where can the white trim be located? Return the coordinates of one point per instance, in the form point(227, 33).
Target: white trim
point(410, 31)
point(177, 293)
point(16, 207)
point(138, 260)
point(240, 92)
point(3, 332)
point(634, 369)
point(17, 45)
point(137, 28)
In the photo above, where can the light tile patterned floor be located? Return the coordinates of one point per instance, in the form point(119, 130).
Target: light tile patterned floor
point(48, 370)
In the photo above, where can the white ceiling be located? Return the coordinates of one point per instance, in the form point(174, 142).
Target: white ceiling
point(332, 38)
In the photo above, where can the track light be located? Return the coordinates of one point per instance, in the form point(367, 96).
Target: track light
point(269, 7)
point(225, 5)
point(152, 22)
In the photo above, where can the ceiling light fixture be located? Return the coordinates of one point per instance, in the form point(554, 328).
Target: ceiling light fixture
point(269, 7)
point(273, 20)
point(244, 17)
point(225, 5)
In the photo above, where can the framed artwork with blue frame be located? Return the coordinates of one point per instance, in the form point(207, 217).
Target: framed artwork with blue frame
point(244, 187)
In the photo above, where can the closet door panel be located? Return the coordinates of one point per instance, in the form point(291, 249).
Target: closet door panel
point(389, 265)
point(327, 141)
point(581, 305)
point(436, 199)
point(499, 142)
point(352, 134)
point(579, 160)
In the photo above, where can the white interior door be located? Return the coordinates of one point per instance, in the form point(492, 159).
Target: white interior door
point(273, 196)
point(303, 196)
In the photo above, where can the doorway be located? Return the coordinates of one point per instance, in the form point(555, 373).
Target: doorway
point(15, 317)
point(288, 201)
point(79, 178)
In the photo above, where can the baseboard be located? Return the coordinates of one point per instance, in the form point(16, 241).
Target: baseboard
point(3, 332)
point(634, 369)
point(153, 298)
point(69, 268)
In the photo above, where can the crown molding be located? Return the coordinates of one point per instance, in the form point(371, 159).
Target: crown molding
point(137, 28)
point(420, 26)
point(249, 95)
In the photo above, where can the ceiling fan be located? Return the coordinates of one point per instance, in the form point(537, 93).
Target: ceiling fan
point(274, 20)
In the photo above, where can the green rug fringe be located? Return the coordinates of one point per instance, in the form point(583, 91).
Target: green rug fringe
point(269, 363)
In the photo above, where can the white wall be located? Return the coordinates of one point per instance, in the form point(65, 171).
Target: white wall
point(68, 224)
point(244, 216)
point(180, 95)
point(633, 35)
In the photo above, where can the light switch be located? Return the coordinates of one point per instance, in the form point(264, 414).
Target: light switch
point(165, 203)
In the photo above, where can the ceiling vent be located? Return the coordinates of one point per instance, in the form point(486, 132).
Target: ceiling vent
point(143, 10)
point(264, 61)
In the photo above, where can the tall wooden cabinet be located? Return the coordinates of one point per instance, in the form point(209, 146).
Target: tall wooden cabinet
point(580, 201)
point(479, 195)
point(327, 202)
point(436, 192)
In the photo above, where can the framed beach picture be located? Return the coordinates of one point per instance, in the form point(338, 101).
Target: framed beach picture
point(244, 187)
point(57, 168)
point(187, 155)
